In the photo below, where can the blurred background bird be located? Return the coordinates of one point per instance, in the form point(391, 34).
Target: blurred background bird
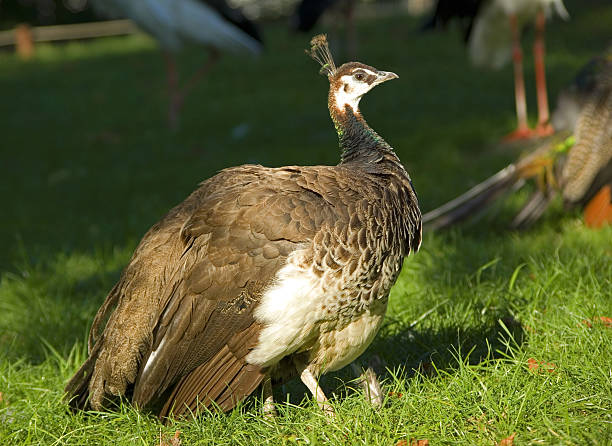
point(578, 168)
point(492, 30)
point(307, 14)
point(175, 23)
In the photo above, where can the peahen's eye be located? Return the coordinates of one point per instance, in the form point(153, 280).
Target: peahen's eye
point(359, 76)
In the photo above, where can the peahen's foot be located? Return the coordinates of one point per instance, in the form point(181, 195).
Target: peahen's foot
point(268, 409)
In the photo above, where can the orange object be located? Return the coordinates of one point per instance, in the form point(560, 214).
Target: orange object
point(536, 366)
point(598, 211)
point(606, 321)
point(24, 41)
point(508, 441)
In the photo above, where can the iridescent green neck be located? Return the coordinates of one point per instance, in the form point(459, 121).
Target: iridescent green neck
point(358, 141)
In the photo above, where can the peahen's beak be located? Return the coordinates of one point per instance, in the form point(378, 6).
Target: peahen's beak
point(384, 76)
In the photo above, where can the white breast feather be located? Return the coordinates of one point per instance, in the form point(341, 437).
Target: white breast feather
point(289, 309)
point(295, 312)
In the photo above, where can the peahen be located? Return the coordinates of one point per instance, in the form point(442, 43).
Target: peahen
point(260, 275)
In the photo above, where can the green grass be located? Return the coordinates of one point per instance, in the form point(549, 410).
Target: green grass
point(88, 165)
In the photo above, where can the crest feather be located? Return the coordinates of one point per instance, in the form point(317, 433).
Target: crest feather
point(319, 51)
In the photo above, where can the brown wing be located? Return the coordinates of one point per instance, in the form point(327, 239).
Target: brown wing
point(161, 247)
point(234, 244)
point(166, 264)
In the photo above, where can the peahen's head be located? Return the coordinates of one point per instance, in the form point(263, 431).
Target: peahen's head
point(349, 82)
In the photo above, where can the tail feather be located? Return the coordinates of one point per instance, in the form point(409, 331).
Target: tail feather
point(533, 209)
point(473, 201)
point(539, 164)
point(77, 389)
point(102, 316)
point(224, 381)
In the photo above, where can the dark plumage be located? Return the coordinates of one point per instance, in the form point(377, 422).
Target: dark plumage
point(308, 12)
point(463, 11)
point(261, 273)
point(236, 17)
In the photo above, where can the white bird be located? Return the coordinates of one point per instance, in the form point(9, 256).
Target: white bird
point(493, 31)
point(173, 23)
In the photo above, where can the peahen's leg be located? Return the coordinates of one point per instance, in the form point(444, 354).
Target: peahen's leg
point(311, 382)
point(269, 410)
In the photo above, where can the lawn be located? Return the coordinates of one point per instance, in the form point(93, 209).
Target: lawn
point(88, 164)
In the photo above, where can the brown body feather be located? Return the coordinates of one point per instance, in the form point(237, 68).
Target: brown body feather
point(197, 275)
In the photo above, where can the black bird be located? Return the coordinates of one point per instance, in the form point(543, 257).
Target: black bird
point(308, 12)
point(260, 275)
point(447, 11)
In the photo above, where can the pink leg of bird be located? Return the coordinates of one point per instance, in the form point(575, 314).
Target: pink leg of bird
point(174, 93)
point(522, 131)
point(198, 75)
point(544, 128)
point(177, 94)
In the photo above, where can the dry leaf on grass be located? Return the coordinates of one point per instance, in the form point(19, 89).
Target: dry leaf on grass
point(174, 441)
point(536, 366)
point(508, 441)
point(413, 442)
point(529, 328)
point(395, 394)
point(605, 321)
point(598, 211)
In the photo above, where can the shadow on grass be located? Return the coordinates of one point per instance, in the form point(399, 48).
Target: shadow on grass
point(54, 303)
point(426, 352)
